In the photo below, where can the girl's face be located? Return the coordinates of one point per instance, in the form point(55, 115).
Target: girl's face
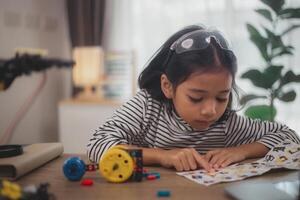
point(202, 99)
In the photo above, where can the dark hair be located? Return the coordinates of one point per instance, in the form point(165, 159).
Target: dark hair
point(178, 67)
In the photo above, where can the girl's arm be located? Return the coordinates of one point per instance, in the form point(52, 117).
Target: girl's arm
point(243, 130)
point(248, 138)
point(123, 128)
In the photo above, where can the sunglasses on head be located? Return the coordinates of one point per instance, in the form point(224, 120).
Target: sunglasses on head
point(198, 40)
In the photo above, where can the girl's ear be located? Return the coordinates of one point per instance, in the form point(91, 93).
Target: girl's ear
point(166, 86)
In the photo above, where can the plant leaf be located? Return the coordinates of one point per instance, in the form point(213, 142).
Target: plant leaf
point(264, 79)
point(274, 39)
point(255, 76)
point(245, 99)
point(260, 42)
point(286, 50)
point(289, 77)
point(290, 29)
point(271, 75)
point(263, 112)
point(265, 13)
point(289, 13)
point(275, 5)
point(288, 96)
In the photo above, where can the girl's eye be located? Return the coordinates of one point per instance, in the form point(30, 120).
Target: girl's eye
point(195, 100)
point(221, 100)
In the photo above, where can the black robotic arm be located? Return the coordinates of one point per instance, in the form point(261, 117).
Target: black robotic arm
point(25, 64)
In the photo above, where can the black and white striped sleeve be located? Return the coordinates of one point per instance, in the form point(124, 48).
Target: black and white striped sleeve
point(243, 130)
point(124, 125)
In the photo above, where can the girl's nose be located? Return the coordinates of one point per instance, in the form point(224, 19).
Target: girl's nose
point(209, 108)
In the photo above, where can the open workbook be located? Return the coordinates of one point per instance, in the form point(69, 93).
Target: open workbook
point(33, 156)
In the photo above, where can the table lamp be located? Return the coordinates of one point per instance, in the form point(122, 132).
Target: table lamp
point(88, 70)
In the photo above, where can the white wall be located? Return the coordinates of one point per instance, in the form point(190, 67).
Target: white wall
point(35, 24)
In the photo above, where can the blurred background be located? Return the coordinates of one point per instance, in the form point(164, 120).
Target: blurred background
point(111, 41)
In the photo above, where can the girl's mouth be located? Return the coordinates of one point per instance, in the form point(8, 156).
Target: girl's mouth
point(204, 122)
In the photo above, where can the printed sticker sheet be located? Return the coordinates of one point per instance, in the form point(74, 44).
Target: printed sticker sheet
point(285, 155)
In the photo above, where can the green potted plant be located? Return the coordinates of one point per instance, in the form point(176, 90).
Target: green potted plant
point(274, 76)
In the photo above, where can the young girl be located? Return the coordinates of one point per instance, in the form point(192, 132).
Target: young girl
point(182, 115)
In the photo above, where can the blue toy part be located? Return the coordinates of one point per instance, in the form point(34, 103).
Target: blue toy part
point(163, 193)
point(74, 168)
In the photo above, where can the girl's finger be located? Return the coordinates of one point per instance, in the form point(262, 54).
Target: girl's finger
point(191, 160)
point(212, 153)
point(201, 161)
point(208, 156)
point(221, 160)
point(215, 159)
point(177, 164)
point(184, 162)
point(227, 162)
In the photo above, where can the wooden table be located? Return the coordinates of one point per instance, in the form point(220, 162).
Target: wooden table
point(180, 187)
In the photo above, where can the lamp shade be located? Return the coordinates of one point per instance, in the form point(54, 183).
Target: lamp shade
point(88, 65)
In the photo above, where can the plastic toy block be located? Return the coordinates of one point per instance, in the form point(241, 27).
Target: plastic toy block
point(163, 193)
point(151, 177)
point(87, 182)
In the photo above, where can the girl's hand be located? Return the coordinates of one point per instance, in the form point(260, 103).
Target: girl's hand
point(183, 159)
point(223, 157)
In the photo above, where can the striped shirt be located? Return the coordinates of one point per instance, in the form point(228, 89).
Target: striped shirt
point(146, 122)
